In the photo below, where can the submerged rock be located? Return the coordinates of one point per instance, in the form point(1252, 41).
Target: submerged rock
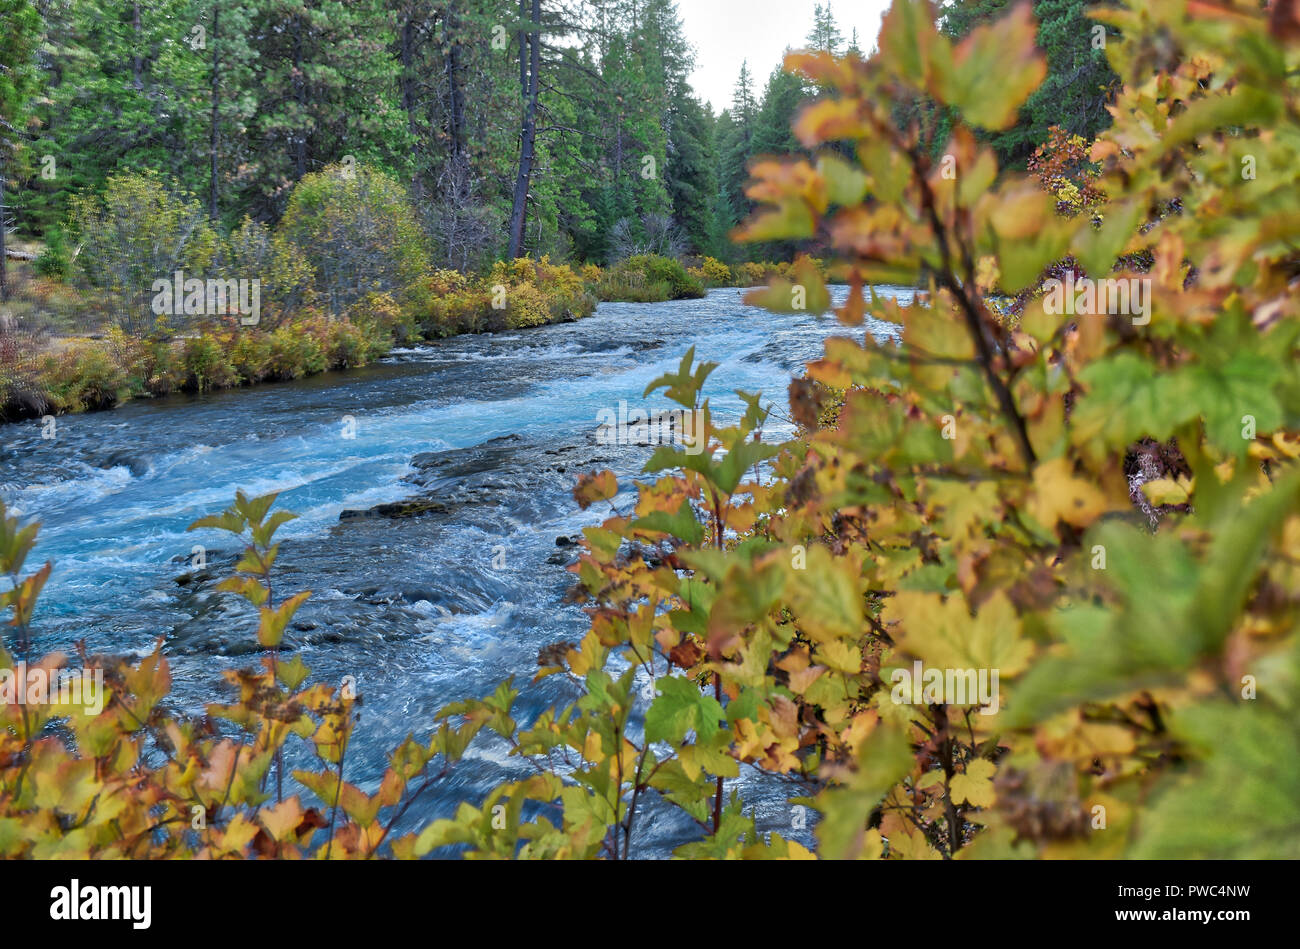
point(411, 508)
point(138, 466)
point(197, 576)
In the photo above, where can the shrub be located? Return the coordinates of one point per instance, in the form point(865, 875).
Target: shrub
point(206, 364)
point(646, 278)
point(295, 353)
point(622, 290)
point(254, 252)
point(163, 372)
point(347, 345)
point(358, 229)
point(526, 306)
point(139, 231)
point(390, 321)
point(557, 291)
point(90, 374)
point(84, 376)
point(533, 293)
point(712, 273)
point(1096, 509)
point(53, 260)
point(446, 302)
point(250, 355)
point(19, 368)
point(750, 274)
point(135, 357)
point(667, 270)
point(123, 780)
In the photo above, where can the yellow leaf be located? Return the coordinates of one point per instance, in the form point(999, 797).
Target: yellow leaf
point(840, 656)
point(591, 748)
point(281, 820)
point(1059, 496)
point(1168, 490)
point(944, 635)
point(976, 785)
point(797, 851)
point(872, 846)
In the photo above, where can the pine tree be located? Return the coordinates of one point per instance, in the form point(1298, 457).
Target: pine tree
point(545, 147)
point(530, 65)
point(124, 89)
point(773, 133)
point(825, 34)
point(19, 80)
point(1079, 78)
point(736, 147)
point(220, 39)
point(325, 92)
point(691, 176)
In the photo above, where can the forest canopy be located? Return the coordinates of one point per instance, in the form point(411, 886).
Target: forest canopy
point(235, 101)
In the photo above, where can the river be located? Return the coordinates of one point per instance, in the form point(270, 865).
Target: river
point(420, 610)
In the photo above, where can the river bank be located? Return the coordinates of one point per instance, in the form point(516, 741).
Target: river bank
point(67, 375)
point(484, 434)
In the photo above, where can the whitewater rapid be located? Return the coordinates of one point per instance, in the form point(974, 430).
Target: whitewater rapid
point(419, 610)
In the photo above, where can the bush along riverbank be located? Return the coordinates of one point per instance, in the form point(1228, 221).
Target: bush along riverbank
point(142, 295)
point(58, 375)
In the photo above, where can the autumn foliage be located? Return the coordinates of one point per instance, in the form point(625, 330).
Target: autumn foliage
point(1105, 512)
point(973, 505)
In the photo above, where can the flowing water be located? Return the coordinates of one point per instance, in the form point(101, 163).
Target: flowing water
point(490, 431)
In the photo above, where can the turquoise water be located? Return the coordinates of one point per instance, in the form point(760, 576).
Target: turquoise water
point(420, 611)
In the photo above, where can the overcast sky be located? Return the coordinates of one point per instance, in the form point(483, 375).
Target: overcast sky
point(727, 32)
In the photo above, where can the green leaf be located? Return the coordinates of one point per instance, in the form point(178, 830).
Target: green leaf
point(255, 509)
point(683, 525)
point(225, 521)
point(735, 828)
point(738, 461)
point(1098, 248)
point(994, 70)
point(270, 631)
point(826, 596)
point(1233, 560)
point(845, 184)
point(1241, 801)
point(682, 386)
point(883, 759)
point(263, 533)
point(681, 707)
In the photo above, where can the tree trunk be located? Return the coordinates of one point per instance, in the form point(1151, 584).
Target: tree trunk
point(214, 143)
point(408, 72)
point(4, 256)
point(528, 75)
point(300, 96)
point(137, 62)
point(410, 106)
point(455, 88)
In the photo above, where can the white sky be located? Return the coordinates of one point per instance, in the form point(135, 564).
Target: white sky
point(727, 32)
